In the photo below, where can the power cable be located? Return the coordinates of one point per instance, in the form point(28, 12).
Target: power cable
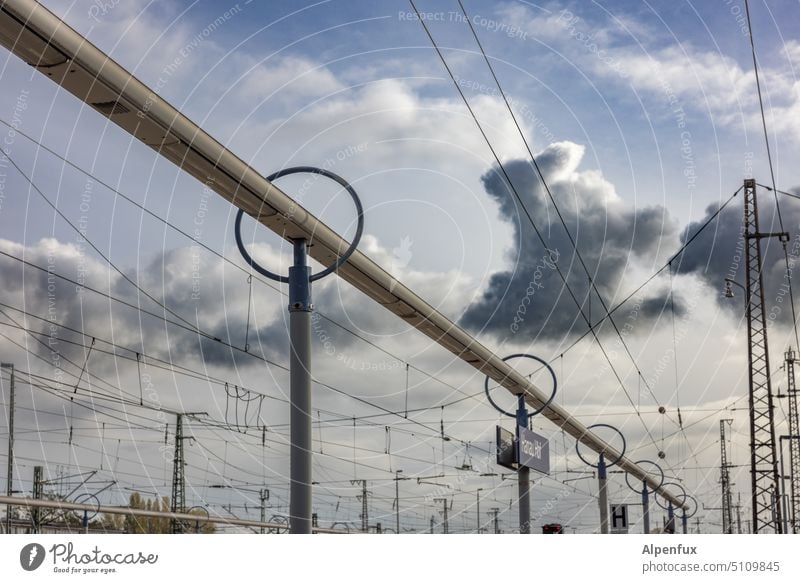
point(538, 233)
point(771, 169)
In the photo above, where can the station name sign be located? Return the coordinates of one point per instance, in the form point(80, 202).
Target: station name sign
point(533, 450)
point(527, 449)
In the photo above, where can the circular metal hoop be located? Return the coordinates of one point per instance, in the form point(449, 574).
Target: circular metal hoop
point(683, 501)
point(342, 258)
point(660, 483)
point(608, 464)
point(87, 498)
point(278, 520)
point(196, 523)
point(693, 499)
point(540, 409)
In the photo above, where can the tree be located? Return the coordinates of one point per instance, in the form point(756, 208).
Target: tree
point(159, 525)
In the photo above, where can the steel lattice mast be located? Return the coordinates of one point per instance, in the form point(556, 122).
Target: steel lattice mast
point(178, 501)
point(794, 442)
point(725, 480)
point(763, 458)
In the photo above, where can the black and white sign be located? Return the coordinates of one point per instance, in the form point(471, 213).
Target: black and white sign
point(506, 449)
point(619, 519)
point(533, 450)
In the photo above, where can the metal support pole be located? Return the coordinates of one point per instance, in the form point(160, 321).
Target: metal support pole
point(10, 471)
point(603, 493)
point(685, 522)
point(38, 493)
point(782, 486)
point(739, 515)
point(445, 522)
point(645, 508)
point(725, 479)
point(670, 519)
point(263, 496)
point(178, 501)
point(300, 308)
point(524, 475)
point(397, 500)
point(496, 513)
point(478, 509)
point(763, 457)
point(364, 507)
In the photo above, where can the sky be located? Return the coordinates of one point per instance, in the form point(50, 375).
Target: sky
point(644, 118)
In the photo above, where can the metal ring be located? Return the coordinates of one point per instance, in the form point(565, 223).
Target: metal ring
point(696, 508)
point(84, 499)
point(188, 522)
point(277, 519)
point(540, 409)
point(661, 483)
point(608, 464)
point(342, 258)
point(683, 501)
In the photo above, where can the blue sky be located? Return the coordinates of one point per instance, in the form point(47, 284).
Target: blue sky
point(644, 109)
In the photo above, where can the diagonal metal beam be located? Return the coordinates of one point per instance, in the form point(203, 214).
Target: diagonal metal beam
point(48, 44)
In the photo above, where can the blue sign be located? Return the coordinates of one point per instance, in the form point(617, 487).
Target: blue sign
point(533, 450)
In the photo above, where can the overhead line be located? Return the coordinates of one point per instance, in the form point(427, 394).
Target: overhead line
point(530, 218)
point(771, 169)
point(220, 255)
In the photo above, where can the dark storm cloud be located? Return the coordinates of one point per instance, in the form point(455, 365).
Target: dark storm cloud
point(197, 291)
point(529, 300)
point(719, 252)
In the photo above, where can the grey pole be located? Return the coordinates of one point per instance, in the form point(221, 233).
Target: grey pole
point(300, 308)
point(685, 522)
point(10, 474)
point(478, 509)
point(397, 499)
point(671, 519)
point(739, 516)
point(445, 522)
point(603, 494)
point(524, 476)
point(782, 486)
point(264, 496)
point(645, 508)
